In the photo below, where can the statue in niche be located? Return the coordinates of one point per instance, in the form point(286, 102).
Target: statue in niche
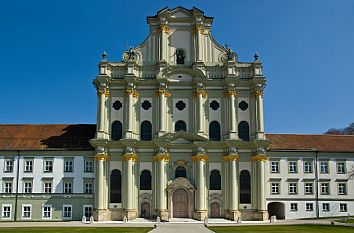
point(180, 56)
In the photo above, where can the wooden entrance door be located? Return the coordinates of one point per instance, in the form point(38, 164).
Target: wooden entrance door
point(180, 203)
point(145, 210)
point(215, 210)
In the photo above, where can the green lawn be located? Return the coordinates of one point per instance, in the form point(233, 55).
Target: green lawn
point(75, 229)
point(284, 229)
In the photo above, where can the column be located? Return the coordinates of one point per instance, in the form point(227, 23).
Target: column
point(101, 205)
point(129, 160)
point(233, 211)
point(162, 94)
point(164, 42)
point(233, 123)
point(199, 30)
point(107, 112)
point(260, 160)
point(200, 95)
point(260, 115)
point(160, 160)
point(201, 209)
point(131, 95)
point(101, 94)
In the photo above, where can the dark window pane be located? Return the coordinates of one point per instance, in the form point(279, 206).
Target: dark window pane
point(180, 172)
point(245, 187)
point(117, 105)
point(117, 131)
point(180, 126)
point(180, 105)
point(244, 131)
point(215, 180)
point(145, 180)
point(146, 105)
point(214, 131)
point(243, 105)
point(116, 186)
point(214, 105)
point(146, 131)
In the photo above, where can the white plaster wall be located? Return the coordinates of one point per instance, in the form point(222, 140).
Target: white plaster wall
point(181, 115)
point(117, 114)
point(243, 115)
point(180, 39)
point(146, 115)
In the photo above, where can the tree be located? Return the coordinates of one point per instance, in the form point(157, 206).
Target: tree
point(349, 130)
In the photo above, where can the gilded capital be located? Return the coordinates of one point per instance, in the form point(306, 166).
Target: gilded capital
point(258, 93)
point(259, 157)
point(164, 28)
point(130, 156)
point(163, 92)
point(198, 28)
point(105, 92)
point(161, 156)
point(102, 156)
point(200, 157)
point(201, 92)
point(230, 93)
point(232, 157)
point(132, 92)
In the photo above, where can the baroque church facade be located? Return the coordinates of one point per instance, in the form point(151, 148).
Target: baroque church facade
point(179, 134)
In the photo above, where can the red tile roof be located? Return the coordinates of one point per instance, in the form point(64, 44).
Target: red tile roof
point(77, 136)
point(46, 137)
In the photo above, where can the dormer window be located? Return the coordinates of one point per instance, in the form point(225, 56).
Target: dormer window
point(180, 56)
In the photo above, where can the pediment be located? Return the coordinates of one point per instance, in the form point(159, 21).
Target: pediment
point(179, 183)
point(181, 138)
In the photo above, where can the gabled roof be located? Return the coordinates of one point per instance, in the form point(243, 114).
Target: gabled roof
point(46, 137)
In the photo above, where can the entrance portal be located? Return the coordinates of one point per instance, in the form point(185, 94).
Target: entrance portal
point(215, 210)
point(180, 203)
point(145, 210)
point(277, 209)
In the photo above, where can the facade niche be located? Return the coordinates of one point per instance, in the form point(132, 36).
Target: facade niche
point(180, 56)
point(117, 131)
point(116, 186)
point(146, 131)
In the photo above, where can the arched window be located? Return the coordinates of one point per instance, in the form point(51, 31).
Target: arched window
point(244, 131)
point(215, 180)
point(117, 131)
point(146, 131)
point(116, 186)
point(214, 131)
point(180, 56)
point(145, 180)
point(180, 172)
point(245, 187)
point(180, 126)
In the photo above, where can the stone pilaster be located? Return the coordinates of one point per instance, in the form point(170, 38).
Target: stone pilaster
point(162, 95)
point(101, 212)
point(129, 160)
point(233, 122)
point(200, 95)
point(260, 115)
point(161, 159)
point(201, 211)
point(233, 212)
point(131, 96)
point(164, 30)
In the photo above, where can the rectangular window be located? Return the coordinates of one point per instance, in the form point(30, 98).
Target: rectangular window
point(309, 206)
point(325, 207)
point(342, 188)
point(68, 165)
point(343, 207)
point(28, 165)
point(308, 188)
point(47, 186)
point(26, 211)
point(324, 188)
point(27, 186)
point(275, 188)
point(68, 187)
point(67, 211)
point(293, 206)
point(88, 188)
point(48, 165)
point(6, 211)
point(88, 165)
point(292, 167)
point(292, 188)
point(341, 167)
point(9, 165)
point(275, 167)
point(308, 166)
point(324, 167)
point(47, 212)
point(87, 209)
point(8, 187)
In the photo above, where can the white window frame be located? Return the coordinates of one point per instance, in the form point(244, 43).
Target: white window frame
point(325, 205)
point(48, 168)
point(86, 206)
point(3, 211)
point(292, 167)
point(341, 209)
point(8, 165)
point(50, 211)
point(45, 188)
point(25, 189)
point(69, 165)
point(275, 188)
point(309, 205)
point(308, 167)
point(306, 185)
point(275, 165)
point(323, 185)
point(66, 187)
point(23, 211)
point(342, 190)
point(85, 187)
point(5, 186)
point(28, 168)
point(293, 207)
point(324, 169)
point(292, 188)
point(342, 165)
point(92, 166)
point(71, 212)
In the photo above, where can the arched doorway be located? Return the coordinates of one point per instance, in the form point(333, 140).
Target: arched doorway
point(145, 210)
point(180, 203)
point(277, 209)
point(215, 210)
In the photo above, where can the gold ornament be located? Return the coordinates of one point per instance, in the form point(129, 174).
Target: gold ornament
point(132, 156)
point(102, 156)
point(232, 157)
point(200, 157)
point(161, 156)
point(230, 93)
point(132, 92)
point(163, 92)
point(200, 92)
point(259, 157)
point(164, 28)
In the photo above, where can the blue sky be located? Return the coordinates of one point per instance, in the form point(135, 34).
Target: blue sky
point(50, 51)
